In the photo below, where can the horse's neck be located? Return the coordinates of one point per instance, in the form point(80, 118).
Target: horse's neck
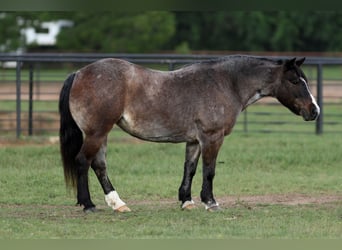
point(251, 93)
point(250, 83)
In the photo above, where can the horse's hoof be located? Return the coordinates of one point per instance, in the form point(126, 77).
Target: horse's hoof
point(123, 209)
point(215, 208)
point(212, 207)
point(90, 210)
point(188, 205)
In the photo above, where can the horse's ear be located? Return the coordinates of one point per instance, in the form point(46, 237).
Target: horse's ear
point(300, 61)
point(289, 64)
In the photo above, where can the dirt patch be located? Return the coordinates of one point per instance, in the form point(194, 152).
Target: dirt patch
point(57, 212)
point(50, 212)
point(253, 200)
point(281, 199)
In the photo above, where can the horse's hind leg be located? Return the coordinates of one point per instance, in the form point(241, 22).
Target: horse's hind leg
point(99, 165)
point(90, 148)
point(192, 154)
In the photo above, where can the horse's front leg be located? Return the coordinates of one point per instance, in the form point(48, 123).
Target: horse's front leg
point(192, 154)
point(210, 148)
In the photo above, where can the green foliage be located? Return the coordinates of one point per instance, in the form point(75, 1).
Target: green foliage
point(9, 32)
point(153, 31)
point(260, 30)
point(115, 32)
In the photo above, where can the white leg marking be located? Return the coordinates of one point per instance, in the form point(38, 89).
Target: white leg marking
point(113, 200)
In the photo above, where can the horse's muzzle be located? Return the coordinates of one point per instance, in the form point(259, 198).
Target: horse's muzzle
point(311, 114)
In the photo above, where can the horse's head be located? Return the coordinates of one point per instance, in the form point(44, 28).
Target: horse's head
point(294, 93)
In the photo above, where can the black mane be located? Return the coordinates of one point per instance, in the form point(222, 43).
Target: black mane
point(221, 59)
point(245, 57)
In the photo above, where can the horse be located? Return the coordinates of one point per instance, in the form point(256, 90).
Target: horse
point(197, 104)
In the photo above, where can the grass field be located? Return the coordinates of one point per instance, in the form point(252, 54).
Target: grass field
point(269, 186)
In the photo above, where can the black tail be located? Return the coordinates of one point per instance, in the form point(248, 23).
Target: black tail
point(70, 135)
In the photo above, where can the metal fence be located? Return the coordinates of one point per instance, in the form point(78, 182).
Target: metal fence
point(33, 77)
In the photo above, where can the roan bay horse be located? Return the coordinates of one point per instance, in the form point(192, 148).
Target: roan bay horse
point(197, 104)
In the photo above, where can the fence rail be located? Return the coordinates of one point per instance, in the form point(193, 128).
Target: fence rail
point(32, 62)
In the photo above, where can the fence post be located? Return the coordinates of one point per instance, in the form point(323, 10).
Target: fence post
point(171, 67)
point(319, 121)
point(18, 98)
point(245, 121)
point(30, 118)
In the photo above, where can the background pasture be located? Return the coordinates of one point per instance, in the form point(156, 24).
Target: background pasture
point(278, 180)
point(269, 185)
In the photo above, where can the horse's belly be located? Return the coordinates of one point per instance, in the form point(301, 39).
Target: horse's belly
point(153, 129)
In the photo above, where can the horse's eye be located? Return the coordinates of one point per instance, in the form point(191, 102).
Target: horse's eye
point(295, 81)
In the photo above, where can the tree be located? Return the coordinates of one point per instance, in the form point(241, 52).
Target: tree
point(259, 30)
point(154, 31)
point(319, 31)
point(9, 32)
point(118, 32)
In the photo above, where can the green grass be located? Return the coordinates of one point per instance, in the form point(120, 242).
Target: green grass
point(275, 222)
point(10, 105)
point(35, 204)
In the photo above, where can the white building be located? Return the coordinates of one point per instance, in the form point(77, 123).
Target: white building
point(48, 38)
